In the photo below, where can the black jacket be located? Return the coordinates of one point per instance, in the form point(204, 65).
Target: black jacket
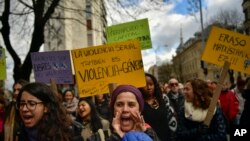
point(190, 130)
point(75, 130)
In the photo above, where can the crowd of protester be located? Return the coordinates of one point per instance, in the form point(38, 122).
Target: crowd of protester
point(172, 111)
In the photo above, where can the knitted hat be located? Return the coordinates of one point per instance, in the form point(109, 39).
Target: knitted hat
point(127, 88)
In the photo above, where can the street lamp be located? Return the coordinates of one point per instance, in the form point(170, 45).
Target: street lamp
point(203, 64)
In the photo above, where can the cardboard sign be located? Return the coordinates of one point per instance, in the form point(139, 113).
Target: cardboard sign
point(97, 67)
point(224, 45)
point(131, 30)
point(52, 65)
point(2, 64)
point(216, 95)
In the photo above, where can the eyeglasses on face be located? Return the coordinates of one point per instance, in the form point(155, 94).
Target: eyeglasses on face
point(173, 84)
point(31, 105)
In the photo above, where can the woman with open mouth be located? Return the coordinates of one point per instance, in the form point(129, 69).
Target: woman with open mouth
point(43, 116)
point(126, 106)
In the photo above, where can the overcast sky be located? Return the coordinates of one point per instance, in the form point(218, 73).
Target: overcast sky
point(165, 25)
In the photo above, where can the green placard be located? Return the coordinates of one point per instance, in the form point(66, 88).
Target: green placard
point(138, 29)
point(2, 64)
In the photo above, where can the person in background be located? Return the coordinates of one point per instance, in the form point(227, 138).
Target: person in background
point(176, 98)
point(7, 95)
point(214, 85)
point(12, 121)
point(102, 106)
point(60, 95)
point(157, 112)
point(244, 120)
point(126, 105)
point(190, 122)
point(209, 83)
point(229, 104)
point(181, 87)
point(17, 86)
point(165, 91)
point(2, 116)
point(94, 125)
point(43, 116)
point(238, 90)
point(70, 102)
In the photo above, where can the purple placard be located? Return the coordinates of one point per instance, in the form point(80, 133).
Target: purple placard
point(52, 65)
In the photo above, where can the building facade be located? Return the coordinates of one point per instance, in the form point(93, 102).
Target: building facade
point(76, 24)
point(187, 61)
point(246, 10)
point(81, 23)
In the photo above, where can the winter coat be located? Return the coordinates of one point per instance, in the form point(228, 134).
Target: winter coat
point(189, 130)
point(75, 128)
point(229, 104)
point(71, 107)
point(176, 103)
point(244, 120)
point(104, 110)
point(162, 120)
point(87, 131)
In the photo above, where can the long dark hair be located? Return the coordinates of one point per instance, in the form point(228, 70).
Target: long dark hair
point(95, 119)
point(55, 124)
point(157, 90)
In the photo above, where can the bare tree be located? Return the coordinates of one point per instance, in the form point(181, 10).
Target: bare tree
point(165, 72)
point(29, 19)
point(131, 9)
point(42, 11)
point(229, 17)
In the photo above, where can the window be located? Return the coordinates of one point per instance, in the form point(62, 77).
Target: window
point(90, 39)
point(89, 25)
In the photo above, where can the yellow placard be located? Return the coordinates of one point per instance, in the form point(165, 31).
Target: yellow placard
point(96, 67)
point(224, 45)
point(2, 64)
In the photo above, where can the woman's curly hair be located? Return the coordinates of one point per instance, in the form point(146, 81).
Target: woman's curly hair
point(202, 93)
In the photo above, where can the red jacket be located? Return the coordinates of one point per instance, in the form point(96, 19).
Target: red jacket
point(229, 104)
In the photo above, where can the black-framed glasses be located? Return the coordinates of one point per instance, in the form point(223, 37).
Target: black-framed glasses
point(30, 104)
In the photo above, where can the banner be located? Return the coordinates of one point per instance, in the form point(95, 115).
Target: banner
point(224, 45)
point(52, 65)
point(131, 30)
point(97, 67)
point(2, 64)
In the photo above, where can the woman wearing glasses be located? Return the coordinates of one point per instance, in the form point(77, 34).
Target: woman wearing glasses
point(43, 117)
